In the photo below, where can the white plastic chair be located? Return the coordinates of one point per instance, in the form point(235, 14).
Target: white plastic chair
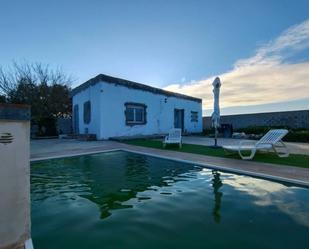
point(271, 141)
point(173, 137)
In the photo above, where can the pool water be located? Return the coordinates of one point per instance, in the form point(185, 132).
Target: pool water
point(126, 200)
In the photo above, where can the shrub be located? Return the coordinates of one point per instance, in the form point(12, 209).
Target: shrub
point(294, 135)
point(46, 126)
point(257, 130)
point(297, 136)
point(208, 131)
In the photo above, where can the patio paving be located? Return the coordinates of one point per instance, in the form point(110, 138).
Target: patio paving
point(42, 149)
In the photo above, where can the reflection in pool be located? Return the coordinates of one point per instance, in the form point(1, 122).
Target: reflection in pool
point(126, 200)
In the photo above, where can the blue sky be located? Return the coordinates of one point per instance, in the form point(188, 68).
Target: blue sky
point(177, 45)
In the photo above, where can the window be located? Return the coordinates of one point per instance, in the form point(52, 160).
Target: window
point(87, 112)
point(135, 113)
point(76, 119)
point(194, 116)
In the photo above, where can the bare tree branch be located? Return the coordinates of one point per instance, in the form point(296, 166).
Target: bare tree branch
point(31, 73)
point(6, 81)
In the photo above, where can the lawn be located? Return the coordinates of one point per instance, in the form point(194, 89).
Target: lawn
point(292, 160)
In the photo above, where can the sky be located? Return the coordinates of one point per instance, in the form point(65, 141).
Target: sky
point(259, 49)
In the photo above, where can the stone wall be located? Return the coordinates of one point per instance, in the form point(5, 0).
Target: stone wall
point(64, 126)
point(291, 119)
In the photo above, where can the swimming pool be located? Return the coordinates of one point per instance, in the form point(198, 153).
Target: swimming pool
point(127, 200)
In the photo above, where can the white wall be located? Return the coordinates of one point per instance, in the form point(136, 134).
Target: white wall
point(93, 94)
point(160, 115)
point(15, 185)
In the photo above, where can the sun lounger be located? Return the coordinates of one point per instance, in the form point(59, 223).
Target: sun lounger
point(271, 141)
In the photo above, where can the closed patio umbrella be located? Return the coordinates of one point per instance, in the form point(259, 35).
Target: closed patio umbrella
point(215, 117)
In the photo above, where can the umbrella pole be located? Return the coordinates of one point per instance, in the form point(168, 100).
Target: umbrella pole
point(216, 135)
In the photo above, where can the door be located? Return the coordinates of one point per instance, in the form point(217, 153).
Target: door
point(76, 119)
point(179, 119)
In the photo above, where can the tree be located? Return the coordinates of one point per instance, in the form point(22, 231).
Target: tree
point(2, 99)
point(46, 90)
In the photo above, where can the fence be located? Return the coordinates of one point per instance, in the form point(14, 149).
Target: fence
point(291, 119)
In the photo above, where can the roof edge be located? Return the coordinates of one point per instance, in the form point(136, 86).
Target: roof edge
point(130, 84)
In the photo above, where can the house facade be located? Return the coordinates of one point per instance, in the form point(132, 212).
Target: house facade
point(113, 107)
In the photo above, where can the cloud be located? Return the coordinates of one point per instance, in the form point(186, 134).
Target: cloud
point(266, 77)
point(267, 193)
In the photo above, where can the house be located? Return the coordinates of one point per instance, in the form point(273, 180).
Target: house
point(114, 107)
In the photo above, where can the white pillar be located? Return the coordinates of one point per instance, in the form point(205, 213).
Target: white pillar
point(14, 176)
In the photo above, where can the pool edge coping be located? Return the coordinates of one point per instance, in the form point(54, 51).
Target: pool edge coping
point(207, 165)
point(72, 155)
point(28, 244)
point(226, 169)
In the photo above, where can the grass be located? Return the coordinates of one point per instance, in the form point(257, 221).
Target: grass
point(292, 160)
